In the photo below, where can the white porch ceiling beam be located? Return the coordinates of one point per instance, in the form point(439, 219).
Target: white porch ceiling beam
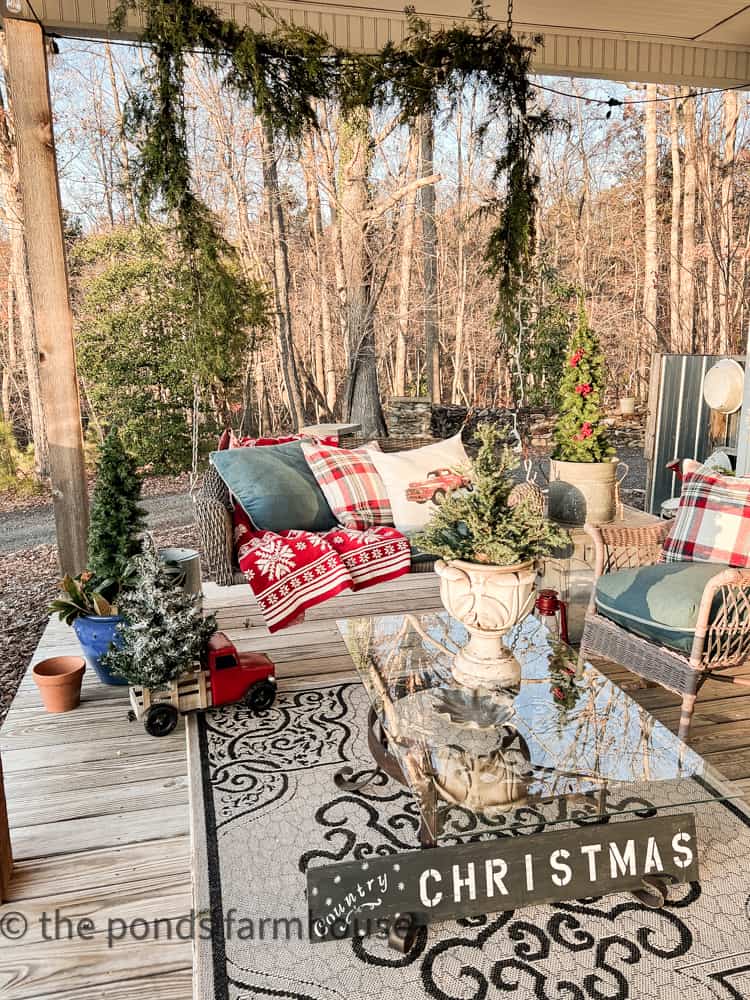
point(704, 43)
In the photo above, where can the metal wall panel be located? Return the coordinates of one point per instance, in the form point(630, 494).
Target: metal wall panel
point(683, 422)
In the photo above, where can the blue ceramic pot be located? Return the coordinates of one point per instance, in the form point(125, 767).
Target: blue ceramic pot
point(96, 634)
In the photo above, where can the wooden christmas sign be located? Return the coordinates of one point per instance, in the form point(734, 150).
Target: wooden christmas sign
point(423, 886)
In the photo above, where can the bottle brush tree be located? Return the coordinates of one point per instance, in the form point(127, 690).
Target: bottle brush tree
point(163, 633)
point(117, 519)
point(491, 524)
point(580, 432)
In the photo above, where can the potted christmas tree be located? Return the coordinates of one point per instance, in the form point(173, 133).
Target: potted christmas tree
point(583, 468)
point(90, 602)
point(489, 538)
point(162, 631)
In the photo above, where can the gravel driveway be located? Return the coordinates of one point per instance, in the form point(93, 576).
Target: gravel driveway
point(24, 529)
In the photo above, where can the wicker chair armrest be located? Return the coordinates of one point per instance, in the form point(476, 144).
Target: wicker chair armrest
point(722, 633)
point(624, 546)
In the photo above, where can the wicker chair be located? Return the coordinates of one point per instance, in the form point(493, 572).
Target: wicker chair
point(721, 640)
point(213, 516)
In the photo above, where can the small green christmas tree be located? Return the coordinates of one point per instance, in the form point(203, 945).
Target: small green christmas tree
point(580, 433)
point(164, 632)
point(116, 517)
point(491, 524)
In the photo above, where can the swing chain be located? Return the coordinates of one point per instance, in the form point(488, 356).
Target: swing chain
point(509, 24)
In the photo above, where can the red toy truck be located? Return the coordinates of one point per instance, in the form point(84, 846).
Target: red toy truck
point(224, 677)
point(436, 486)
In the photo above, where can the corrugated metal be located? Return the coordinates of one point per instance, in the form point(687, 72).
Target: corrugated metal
point(683, 423)
point(650, 42)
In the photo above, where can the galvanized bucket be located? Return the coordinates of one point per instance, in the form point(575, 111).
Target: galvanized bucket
point(583, 491)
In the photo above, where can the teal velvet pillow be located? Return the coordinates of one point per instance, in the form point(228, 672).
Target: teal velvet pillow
point(659, 602)
point(275, 487)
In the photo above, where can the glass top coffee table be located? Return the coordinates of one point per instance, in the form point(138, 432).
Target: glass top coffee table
point(567, 745)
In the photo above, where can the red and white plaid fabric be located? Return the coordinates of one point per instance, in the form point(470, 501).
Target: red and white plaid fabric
point(712, 522)
point(294, 570)
point(351, 484)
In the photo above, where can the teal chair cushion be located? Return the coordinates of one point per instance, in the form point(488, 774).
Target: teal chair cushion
point(659, 602)
point(275, 487)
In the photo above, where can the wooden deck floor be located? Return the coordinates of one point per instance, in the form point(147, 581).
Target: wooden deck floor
point(99, 811)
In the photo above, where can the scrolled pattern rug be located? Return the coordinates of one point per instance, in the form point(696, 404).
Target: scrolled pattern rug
point(265, 807)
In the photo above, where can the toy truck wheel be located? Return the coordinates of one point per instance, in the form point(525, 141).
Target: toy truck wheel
point(438, 496)
point(260, 695)
point(160, 720)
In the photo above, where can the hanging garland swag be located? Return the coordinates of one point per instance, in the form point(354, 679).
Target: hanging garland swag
point(284, 71)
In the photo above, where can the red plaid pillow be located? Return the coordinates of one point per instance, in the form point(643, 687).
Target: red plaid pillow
point(712, 522)
point(351, 485)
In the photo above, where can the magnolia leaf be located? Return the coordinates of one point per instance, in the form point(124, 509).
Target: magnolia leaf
point(101, 605)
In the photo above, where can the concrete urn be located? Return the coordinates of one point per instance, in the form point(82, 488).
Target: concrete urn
point(489, 601)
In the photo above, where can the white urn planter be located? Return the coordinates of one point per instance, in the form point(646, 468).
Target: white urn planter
point(489, 601)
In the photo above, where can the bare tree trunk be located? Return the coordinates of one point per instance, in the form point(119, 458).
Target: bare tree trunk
point(355, 155)
point(429, 250)
point(325, 371)
point(407, 255)
point(458, 345)
point(731, 113)
point(10, 196)
point(333, 184)
point(9, 370)
point(705, 330)
point(126, 183)
point(651, 255)
point(281, 277)
point(687, 280)
point(583, 220)
point(265, 419)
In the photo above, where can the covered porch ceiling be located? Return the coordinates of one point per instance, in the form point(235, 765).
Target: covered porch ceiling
point(702, 43)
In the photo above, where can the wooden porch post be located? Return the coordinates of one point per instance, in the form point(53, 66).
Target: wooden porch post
point(29, 88)
point(6, 858)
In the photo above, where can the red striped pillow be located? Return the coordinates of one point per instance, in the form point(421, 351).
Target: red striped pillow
point(351, 484)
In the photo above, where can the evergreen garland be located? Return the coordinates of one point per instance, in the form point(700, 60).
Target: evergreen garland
point(284, 71)
point(580, 432)
point(164, 632)
point(116, 518)
point(487, 525)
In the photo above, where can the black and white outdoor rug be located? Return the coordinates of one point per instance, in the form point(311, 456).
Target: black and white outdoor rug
point(265, 807)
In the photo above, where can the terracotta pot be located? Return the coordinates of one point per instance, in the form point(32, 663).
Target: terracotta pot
point(59, 682)
point(582, 491)
point(489, 601)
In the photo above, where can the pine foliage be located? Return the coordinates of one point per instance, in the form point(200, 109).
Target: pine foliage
point(164, 632)
point(580, 432)
point(116, 516)
point(485, 525)
point(286, 69)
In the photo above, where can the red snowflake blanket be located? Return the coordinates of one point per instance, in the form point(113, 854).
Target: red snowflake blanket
point(294, 570)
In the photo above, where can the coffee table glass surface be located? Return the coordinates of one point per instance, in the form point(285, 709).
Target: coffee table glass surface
point(565, 745)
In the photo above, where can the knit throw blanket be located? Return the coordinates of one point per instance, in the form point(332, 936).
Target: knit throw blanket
point(294, 570)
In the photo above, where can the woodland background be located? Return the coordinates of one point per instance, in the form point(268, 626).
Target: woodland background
point(644, 209)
